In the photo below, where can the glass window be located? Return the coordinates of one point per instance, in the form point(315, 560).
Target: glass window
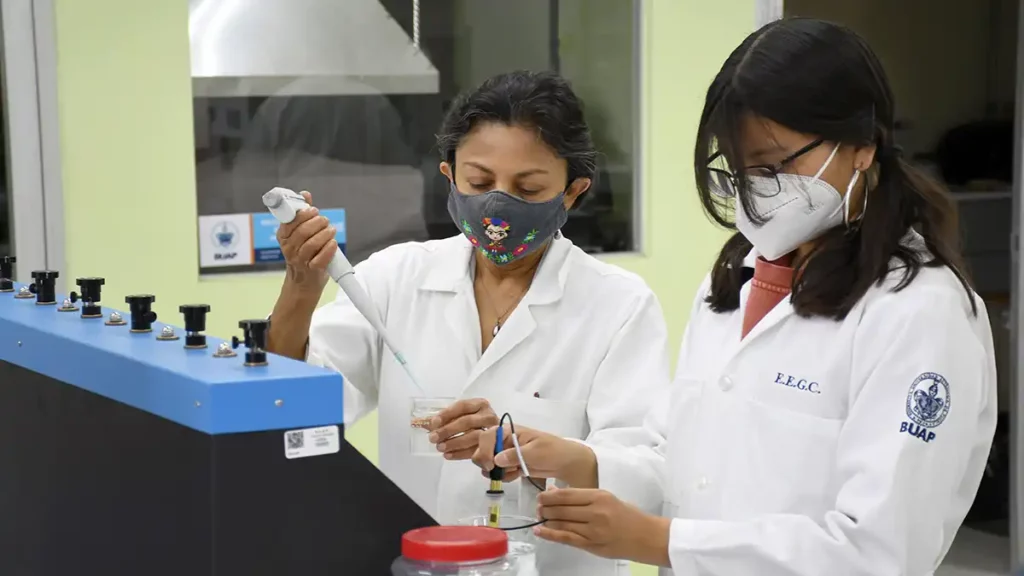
point(350, 114)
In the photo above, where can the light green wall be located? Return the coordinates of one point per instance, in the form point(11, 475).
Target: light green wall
point(129, 181)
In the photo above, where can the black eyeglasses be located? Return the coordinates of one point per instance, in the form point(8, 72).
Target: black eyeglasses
point(725, 183)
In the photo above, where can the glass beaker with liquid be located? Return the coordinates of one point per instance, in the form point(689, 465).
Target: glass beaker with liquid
point(423, 411)
point(522, 544)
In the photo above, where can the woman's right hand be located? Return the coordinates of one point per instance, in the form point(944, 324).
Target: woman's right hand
point(308, 245)
point(546, 456)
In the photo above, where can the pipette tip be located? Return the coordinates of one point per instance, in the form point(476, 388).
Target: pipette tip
point(408, 372)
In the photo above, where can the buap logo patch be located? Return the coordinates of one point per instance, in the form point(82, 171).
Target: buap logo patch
point(927, 405)
point(224, 237)
point(928, 400)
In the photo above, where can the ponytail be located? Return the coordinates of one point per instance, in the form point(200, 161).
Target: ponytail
point(727, 274)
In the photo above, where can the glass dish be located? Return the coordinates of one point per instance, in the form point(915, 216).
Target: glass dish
point(522, 544)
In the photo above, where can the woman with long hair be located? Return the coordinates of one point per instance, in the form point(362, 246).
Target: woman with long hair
point(834, 403)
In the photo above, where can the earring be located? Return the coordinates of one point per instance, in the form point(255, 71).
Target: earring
point(849, 192)
point(864, 207)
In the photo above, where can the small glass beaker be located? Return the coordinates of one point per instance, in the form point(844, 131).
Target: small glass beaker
point(423, 411)
point(522, 543)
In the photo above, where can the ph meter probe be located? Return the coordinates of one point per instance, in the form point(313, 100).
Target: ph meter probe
point(284, 204)
point(496, 491)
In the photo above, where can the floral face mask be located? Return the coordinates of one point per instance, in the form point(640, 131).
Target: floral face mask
point(504, 227)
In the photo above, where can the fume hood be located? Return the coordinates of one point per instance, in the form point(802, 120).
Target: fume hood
point(303, 48)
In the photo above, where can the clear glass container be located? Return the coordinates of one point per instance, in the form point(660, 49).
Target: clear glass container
point(455, 551)
point(522, 543)
point(423, 410)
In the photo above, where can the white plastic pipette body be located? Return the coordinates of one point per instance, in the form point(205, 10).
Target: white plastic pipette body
point(284, 204)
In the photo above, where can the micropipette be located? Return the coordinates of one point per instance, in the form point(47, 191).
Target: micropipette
point(284, 204)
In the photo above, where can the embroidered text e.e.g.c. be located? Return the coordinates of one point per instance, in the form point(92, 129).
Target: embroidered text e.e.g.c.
point(798, 383)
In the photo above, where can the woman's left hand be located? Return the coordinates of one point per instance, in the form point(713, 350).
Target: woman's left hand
point(456, 430)
point(600, 523)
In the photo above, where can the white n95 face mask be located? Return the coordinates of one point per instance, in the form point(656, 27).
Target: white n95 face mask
point(803, 209)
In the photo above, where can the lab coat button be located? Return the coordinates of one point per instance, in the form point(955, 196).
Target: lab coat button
point(725, 383)
point(702, 483)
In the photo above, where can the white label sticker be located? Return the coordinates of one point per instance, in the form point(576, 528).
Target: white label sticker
point(311, 442)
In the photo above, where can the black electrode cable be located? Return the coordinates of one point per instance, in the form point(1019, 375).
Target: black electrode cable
point(499, 474)
point(512, 429)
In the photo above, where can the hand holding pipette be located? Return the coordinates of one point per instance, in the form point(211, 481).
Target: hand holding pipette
point(284, 204)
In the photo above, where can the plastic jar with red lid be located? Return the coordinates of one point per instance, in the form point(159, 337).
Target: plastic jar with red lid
point(454, 551)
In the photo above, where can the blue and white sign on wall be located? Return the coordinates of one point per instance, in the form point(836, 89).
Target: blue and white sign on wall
point(264, 228)
point(225, 240)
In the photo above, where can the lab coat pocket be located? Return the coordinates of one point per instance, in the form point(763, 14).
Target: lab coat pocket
point(567, 418)
point(779, 460)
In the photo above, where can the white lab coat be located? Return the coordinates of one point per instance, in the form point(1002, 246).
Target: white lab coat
point(790, 452)
point(583, 353)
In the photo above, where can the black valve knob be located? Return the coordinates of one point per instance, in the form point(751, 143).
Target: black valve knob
point(255, 333)
point(7, 273)
point(195, 323)
point(142, 316)
point(44, 286)
point(90, 296)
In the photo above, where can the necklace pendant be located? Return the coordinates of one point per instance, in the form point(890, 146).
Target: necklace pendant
point(494, 331)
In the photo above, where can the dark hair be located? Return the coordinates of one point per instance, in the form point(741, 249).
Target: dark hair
point(540, 100)
point(822, 79)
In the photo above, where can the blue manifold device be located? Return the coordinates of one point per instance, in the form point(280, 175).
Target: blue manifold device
point(130, 447)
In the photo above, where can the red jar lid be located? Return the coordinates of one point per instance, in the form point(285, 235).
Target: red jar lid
point(454, 544)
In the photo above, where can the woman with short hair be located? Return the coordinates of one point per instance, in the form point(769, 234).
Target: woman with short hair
point(508, 316)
